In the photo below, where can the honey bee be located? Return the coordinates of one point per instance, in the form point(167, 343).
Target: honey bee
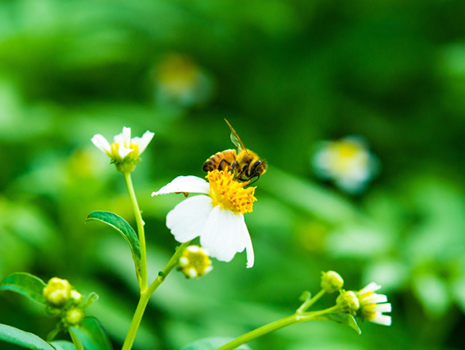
point(245, 164)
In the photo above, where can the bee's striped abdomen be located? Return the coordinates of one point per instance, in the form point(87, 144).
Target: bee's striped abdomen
point(224, 158)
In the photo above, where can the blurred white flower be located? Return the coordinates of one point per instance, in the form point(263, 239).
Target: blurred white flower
point(217, 217)
point(124, 151)
point(347, 162)
point(373, 305)
point(182, 82)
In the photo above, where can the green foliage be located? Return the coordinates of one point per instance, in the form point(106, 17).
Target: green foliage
point(91, 335)
point(211, 344)
point(21, 338)
point(25, 284)
point(120, 225)
point(286, 74)
point(345, 319)
point(62, 345)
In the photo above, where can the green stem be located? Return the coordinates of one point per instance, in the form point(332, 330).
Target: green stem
point(76, 342)
point(310, 302)
point(147, 293)
point(140, 230)
point(274, 326)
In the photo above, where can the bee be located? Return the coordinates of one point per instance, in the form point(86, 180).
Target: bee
point(245, 164)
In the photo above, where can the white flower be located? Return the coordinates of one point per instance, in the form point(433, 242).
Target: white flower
point(373, 305)
point(124, 151)
point(347, 161)
point(217, 217)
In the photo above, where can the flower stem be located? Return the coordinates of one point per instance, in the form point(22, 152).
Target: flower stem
point(274, 326)
point(147, 293)
point(142, 276)
point(304, 307)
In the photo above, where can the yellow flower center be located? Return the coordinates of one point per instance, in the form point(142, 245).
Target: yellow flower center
point(367, 308)
point(346, 156)
point(133, 155)
point(230, 194)
point(347, 149)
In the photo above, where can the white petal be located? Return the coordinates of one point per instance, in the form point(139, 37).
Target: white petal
point(119, 139)
point(383, 307)
point(102, 144)
point(222, 235)
point(126, 136)
point(144, 141)
point(370, 288)
point(189, 184)
point(375, 298)
point(187, 220)
point(248, 243)
point(123, 151)
point(382, 319)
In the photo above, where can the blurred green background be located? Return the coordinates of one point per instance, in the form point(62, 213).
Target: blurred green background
point(286, 74)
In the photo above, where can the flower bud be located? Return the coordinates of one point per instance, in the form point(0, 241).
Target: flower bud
point(74, 316)
point(57, 292)
point(348, 302)
point(194, 262)
point(76, 296)
point(331, 281)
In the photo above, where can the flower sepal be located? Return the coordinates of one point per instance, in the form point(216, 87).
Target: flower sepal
point(344, 318)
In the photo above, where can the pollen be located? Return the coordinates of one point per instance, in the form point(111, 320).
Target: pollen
point(230, 194)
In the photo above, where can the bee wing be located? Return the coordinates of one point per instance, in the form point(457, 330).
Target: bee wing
point(236, 140)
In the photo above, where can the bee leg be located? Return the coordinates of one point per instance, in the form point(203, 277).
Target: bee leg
point(220, 166)
point(257, 177)
point(233, 166)
point(241, 173)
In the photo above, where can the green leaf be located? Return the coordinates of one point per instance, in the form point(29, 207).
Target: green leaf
point(90, 299)
point(25, 284)
point(63, 345)
point(120, 225)
point(21, 338)
point(212, 344)
point(305, 296)
point(91, 335)
point(345, 319)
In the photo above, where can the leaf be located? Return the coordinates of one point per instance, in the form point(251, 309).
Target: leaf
point(90, 299)
point(91, 335)
point(63, 345)
point(21, 338)
point(212, 344)
point(306, 296)
point(120, 225)
point(345, 319)
point(25, 284)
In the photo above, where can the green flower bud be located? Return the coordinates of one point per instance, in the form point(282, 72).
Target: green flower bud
point(57, 292)
point(348, 302)
point(194, 262)
point(76, 296)
point(331, 281)
point(74, 316)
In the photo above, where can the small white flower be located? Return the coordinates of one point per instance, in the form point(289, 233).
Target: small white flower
point(373, 305)
point(217, 217)
point(347, 162)
point(124, 151)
